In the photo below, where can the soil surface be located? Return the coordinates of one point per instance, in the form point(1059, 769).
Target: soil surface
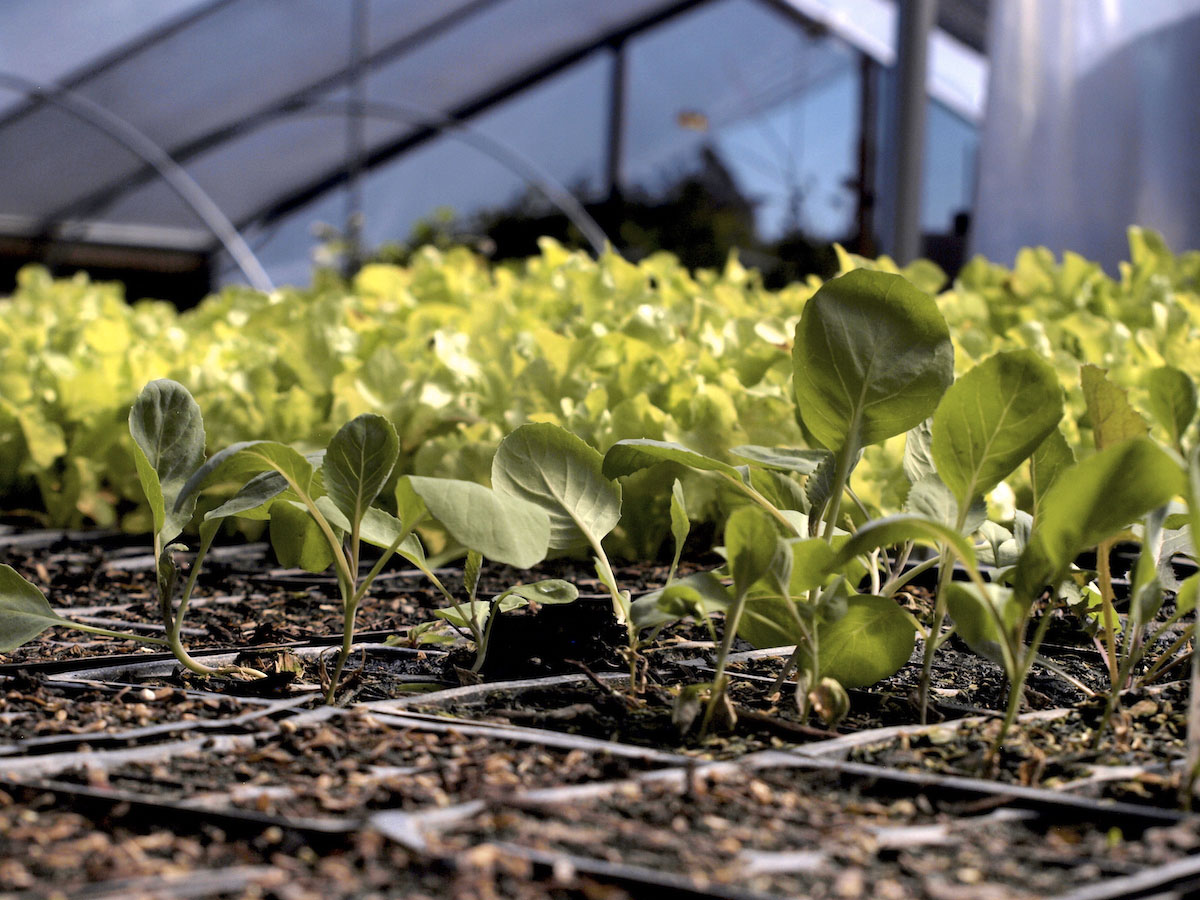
point(802, 834)
point(352, 764)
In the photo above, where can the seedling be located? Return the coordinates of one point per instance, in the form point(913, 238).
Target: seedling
point(871, 359)
point(168, 437)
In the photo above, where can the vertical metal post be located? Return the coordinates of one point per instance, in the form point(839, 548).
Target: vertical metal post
point(616, 123)
point(356, 135)
point(914, 24)
point(868, 139)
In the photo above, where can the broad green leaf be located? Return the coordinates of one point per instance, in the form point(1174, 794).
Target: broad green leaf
point(552, 468)
point(1112, 418)
point(1094, 500)
point(771, 622)
point(358, 462)
point(976, 625)
point(698, 594)
point(1052, 457)
point(1172, 400)
point(409, 506)
point(871, 642)
point(296, 538)
point(991, 420)
point(24, 612)
point(503, 528)
point(812, 563)
point(253, 500)
point(871, 359)
point(381, 529)
point(168, 437)
point(781, 459)
point(629, 456)
point(931, 498)
point(893, 530)
point(548, 592)
point(752, 544)
point(240, 462)
point(918, 454)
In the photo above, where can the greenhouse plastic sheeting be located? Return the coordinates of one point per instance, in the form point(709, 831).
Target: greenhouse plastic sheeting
point(1091, 127)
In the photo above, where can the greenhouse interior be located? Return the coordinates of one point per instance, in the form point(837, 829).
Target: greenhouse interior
point(599, 449)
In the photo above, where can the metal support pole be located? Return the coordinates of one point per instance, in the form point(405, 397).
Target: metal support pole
point(868, 141)
point(915, 22)
point(355, 137)
point(616, 123)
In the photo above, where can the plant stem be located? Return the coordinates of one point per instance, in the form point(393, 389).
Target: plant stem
point(1016, 689)
point(732, 618)
point(344, 653)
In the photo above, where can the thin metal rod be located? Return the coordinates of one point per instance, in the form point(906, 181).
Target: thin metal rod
point(170, 171)
point(914, 25)
point(356, 135)
point(516, 162)
point(616, 121)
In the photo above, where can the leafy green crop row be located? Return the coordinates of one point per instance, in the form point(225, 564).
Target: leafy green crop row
point(456, 354)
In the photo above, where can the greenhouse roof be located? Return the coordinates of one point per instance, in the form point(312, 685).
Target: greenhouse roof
point(259, 102)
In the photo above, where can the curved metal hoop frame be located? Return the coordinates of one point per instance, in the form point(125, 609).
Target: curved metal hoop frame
point(176, 177)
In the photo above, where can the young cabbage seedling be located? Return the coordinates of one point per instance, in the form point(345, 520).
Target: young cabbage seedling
point(168, 438)
point(324, 517)
point(871, 359)
point(501, 527)
point(1088, 504)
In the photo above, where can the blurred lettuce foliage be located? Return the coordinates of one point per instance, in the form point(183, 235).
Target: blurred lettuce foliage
point(457, 352)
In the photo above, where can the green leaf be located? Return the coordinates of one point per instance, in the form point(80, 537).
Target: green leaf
point(781, 459)
point(892, 530)
point(1052, 457)
point(770, 622)
point(548, 592)
point(381, 529)
point(871, 359)
point(552, 468)
point(992, 419)
point(629, 456)
point(359, 462)
point(479, 610)
point(871, 642)
point(240, 462)
point(24, 612)
point(699, 594)
point(812, 563)
point(918, 453)
point(1185, 597)
point(1172, 400)
point(977, 626)
point(253, 500)
point(932, 499)
point(296, 538)
point(503, 528)
point(1112, 418)
point(752, 544)
point(681, 525)
point(1092, 501)
point(168, 438)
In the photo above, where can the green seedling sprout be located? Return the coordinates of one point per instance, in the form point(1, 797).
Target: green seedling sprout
point(168, 438)
point(319, 518)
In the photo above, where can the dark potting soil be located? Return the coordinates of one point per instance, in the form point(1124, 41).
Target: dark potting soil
point(47, 852)
point(792, 833)
point(32, 707)
point(352, 764)
point(1138, 758)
